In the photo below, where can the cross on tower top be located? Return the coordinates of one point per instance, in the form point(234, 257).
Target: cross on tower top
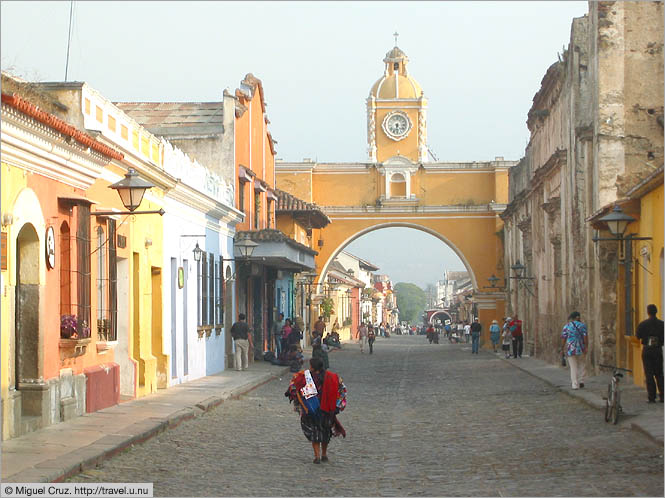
point(395, 34)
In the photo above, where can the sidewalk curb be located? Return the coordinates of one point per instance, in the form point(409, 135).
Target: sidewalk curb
point(593, 403)
point(88, 457)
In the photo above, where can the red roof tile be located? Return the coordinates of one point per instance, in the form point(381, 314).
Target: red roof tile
point(58, 124)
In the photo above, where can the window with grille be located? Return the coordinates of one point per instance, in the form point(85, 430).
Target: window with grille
point(65, 270)
point(107, 300)
point(83, 271)
point(204, 289)
point(211, 289)
point(219, 296)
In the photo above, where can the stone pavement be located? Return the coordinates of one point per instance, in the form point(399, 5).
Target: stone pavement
point(67, 448)
point(422, 420)
point(61, 450)
point(640, 415)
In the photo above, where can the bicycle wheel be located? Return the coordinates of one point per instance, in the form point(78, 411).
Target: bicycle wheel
point(608, 404)
point(616, 408)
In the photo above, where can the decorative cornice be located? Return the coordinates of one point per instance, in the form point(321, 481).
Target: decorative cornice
point(31, 145)
point(59, 125)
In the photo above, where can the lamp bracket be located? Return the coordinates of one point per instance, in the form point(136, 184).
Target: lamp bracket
point(160, 212)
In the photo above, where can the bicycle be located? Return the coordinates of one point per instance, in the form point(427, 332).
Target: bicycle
point(613, 399)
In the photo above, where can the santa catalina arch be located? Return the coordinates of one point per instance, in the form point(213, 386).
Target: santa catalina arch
point(401, 184)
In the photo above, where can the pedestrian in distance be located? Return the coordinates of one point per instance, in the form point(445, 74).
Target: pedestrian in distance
point(650, 332)
point(319, 351)
point(319, 327)
point(495, 334)
point(287, 328)
point(506, 341)
point(476, 329)
point(318, 395)
point(277, 333)
point(242, 340)
point(362, 336)
point(574, 345)
point(294, 336)
point(430, 333)
point(518, 337)
point(371, 337)
point(467, 332)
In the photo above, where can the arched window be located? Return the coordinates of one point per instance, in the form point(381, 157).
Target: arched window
point(397, 185)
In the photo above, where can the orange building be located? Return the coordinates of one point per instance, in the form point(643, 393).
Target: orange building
point(55, 363)
point(265, 285)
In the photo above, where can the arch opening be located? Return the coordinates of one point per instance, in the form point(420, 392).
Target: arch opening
point(379, 226)
point(26, 312)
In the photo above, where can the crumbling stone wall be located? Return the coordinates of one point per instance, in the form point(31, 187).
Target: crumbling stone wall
point(596, 130)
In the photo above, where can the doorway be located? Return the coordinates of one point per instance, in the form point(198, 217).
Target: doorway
point(27, 307)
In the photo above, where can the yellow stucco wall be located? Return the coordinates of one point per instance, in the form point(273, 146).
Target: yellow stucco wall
point(408, 146)
point(648, 274)
point(13, 181)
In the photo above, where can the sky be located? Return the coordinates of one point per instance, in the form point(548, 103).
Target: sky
point(479, 64)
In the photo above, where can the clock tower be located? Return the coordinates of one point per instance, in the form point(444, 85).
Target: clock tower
point(396, 114)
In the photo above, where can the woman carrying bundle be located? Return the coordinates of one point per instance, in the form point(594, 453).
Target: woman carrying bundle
point(318, 395)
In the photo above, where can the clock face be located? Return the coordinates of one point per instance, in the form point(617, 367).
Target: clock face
point(396, 125)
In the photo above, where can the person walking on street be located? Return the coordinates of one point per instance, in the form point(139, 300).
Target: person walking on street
point(476, 329)
point(506, 341)
point(242, 339)
point(362, 336)
point(650, 332)
point(467, 332)
point(495, 334)
point(320, 327)
point(574, 345)
point(518, 338)
point(371, 337)
point(277, 334)
point(318, 395)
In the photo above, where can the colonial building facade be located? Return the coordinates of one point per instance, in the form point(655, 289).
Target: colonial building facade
point(596, 141)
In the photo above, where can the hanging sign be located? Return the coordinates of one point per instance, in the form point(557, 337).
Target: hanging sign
point(50, 248)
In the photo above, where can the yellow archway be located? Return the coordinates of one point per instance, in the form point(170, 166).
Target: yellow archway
point(379, 226)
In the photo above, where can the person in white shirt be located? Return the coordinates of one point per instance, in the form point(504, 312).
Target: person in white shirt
point(467, 332)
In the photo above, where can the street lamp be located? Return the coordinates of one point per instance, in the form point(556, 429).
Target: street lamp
point(522, 280)
point(617, 221)
point(245, 248)
point(197, 253)
point(131, 190)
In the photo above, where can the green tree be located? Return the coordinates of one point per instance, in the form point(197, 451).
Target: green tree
point(411, 302)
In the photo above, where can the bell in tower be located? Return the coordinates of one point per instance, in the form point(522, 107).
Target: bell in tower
point(396, 113)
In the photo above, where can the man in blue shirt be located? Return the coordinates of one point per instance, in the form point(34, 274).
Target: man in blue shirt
point(574, 346)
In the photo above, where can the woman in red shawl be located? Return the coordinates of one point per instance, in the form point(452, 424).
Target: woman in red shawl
point(318, 395)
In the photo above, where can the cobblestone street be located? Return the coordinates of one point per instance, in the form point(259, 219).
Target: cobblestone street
point(422, 420)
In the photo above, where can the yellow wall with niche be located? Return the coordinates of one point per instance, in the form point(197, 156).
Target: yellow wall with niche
point(13, 181)
point(648, 280)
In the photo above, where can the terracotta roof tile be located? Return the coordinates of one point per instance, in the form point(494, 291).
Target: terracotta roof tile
point(58, 124)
